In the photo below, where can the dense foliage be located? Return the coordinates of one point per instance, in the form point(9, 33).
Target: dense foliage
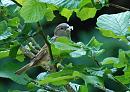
point(21, 25)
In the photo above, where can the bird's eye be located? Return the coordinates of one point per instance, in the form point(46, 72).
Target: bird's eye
point(61, 28)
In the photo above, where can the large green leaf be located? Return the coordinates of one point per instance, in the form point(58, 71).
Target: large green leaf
point(33, 11)
point(59, 78)
point(22, 79)
point(66, 13)
point(110, 60)
point(63, 46)
point(49, 15)
point(62, 77)
point(86, 13)
point(116, 23)
point(7, 70)
point(64, 3)
point(109, 33)
point(70, 4)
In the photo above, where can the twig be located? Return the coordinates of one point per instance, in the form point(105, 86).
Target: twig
point(27, 52)
point(16, 3)
point(119, 7)
point(34, 42)
point(45, 39)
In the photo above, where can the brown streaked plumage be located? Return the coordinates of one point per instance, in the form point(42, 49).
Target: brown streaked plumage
point(42, 57)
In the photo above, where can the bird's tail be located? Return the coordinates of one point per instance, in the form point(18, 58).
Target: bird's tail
point(24, 68)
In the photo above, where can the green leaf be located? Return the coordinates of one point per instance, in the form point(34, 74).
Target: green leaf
point(14, 22)
point(93, 43)
point(14, 90)
point(85, 3)
point(83, 88)
point(62, 77)
point(86, 13)
point(122, 59)
point(123, 79)
point(7, 70)
point(32, 11)
point(94, 80)
point(117, 62)
point(57, 81)
point(59, 78)
point(49, 15)
point(63, 43)
point(64, 40)
point(5, 35)
point(4, 54)
point(22, 79)
point(31, 86)
point(78, 53)
point(66, 13)
point(110, 60)
point(128, 53)
point(109, 33)
point(117, 23)
point(3, 26)
point(20, 56)
point(63, 46)
point(13, 51)
point(70, 4)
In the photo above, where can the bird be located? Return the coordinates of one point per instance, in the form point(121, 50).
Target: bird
point(42, 58)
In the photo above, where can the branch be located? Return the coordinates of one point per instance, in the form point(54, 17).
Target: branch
point(27, 52)
point(16, 3)
point(34, 43)
point(119, 7)
point(45, 39)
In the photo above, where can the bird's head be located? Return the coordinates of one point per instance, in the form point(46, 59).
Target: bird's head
point(63, 29)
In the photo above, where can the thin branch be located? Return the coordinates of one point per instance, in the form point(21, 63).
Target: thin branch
point(16, 3)
point(119, 7)
point(27, 52)
point(45, 39)
point(35, 43)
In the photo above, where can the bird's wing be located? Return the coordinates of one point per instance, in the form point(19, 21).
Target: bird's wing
point(24, 68)
point(41, 56)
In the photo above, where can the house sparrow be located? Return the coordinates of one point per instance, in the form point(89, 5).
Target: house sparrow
point(42, 58)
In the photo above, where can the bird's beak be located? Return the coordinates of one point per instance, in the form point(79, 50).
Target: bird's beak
point(70, 28)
